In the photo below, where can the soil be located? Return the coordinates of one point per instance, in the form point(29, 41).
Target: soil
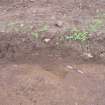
point(38, 66)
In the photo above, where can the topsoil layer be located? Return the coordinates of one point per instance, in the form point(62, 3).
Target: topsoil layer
point(38, 66)
point(27, 25)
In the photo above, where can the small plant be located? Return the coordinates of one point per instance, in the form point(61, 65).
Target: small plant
point(100, 15)
point(77, 36)
point(97, 24)
point(35, 35)
point(43, 28)
point(81, 36)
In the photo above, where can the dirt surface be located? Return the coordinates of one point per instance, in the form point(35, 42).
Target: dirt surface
point(31, 24)
point(38, 66)
point(52, 84)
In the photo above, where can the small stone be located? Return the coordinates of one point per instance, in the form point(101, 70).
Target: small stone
point(88, 55)
point(80, 71)
point(59, 24)
point(21, 25)
point(46, 40)
point(69, 67)
point(32, 0)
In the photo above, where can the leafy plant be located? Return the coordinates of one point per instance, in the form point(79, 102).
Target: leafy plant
point(96, 25)
point(35, 35)
point(100, 15)
point(77, 36)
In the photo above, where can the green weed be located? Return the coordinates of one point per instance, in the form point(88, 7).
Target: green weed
point(77, 36)
point(35, 35)
point(97, 24)
point(81, 36)
point(43, 29)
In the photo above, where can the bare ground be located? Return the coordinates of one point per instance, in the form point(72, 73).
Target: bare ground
point(34, 71)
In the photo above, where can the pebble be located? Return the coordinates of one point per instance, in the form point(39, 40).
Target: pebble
point(88, 55)
point(80, 71)
point(32, 0)
point(59, 24)
point(46, 40)
point(21, 25)
point(69, 67)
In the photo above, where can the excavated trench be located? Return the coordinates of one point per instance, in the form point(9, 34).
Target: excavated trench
point(46, 69)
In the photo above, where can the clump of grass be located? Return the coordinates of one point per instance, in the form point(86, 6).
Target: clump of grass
point(81, 36)
point(97, 24)
point(36, 34)
point(77, 36)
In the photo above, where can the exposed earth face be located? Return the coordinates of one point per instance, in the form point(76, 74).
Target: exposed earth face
point(39, 65)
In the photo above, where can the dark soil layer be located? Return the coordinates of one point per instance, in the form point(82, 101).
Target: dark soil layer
point(20, 18)
point(38, 65)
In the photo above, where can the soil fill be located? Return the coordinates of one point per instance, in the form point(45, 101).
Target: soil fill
point(38, 65)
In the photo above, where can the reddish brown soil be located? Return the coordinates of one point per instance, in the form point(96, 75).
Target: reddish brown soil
point(35, 72)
